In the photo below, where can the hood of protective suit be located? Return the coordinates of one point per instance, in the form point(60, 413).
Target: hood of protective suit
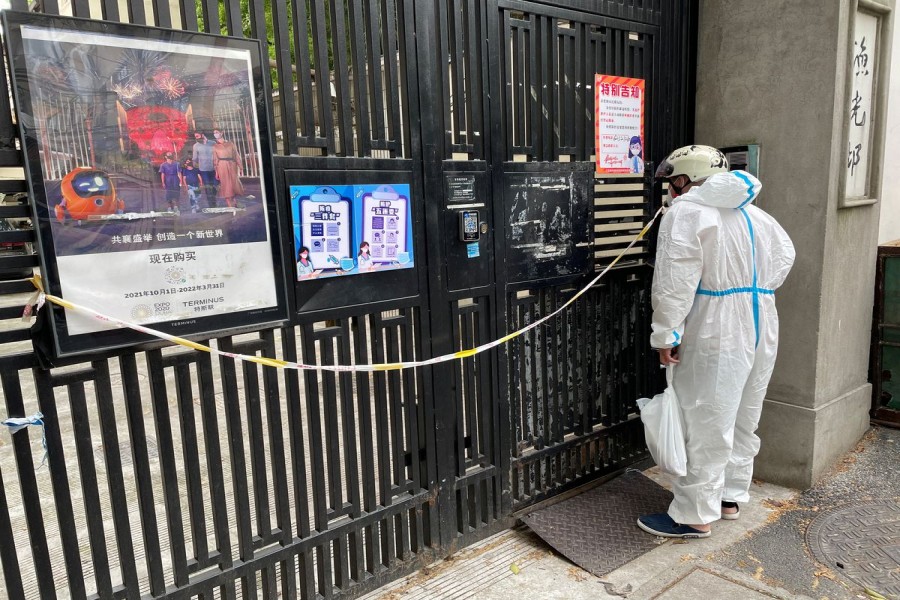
point(734, 189)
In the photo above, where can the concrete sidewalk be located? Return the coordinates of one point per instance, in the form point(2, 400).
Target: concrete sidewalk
point(761, 555)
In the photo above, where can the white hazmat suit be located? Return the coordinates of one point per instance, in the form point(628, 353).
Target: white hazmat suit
point(718, 263)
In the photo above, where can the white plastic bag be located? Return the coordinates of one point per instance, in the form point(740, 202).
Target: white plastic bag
point(664, 430)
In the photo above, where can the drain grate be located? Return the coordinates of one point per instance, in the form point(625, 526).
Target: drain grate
point(861, 541)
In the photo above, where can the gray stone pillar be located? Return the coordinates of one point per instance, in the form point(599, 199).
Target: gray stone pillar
point(778, 73)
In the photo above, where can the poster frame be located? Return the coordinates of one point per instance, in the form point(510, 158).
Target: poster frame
point(52, 337)
point(379, 290)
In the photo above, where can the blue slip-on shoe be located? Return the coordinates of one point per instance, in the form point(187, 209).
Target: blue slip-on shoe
point(662, 525)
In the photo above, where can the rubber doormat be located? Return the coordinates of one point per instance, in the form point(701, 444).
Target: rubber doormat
point(862, 542)
point(597, 530)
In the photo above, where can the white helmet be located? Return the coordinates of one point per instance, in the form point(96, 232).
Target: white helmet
point(697, 162)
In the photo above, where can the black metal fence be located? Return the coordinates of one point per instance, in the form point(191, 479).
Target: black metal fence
point(170, 474)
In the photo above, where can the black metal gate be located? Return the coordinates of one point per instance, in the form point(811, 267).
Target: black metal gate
point(171, 474)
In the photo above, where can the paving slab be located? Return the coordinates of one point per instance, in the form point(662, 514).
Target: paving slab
point(703, 584)
point(865, 475)
point(536, 570)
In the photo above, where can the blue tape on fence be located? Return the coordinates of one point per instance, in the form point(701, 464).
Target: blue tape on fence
point(16, 424)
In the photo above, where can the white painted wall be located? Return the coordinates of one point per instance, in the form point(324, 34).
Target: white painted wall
point(889, 226)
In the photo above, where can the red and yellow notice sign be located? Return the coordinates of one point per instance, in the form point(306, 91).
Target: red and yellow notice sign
point(619, 124)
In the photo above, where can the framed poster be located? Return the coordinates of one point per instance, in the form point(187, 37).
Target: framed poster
point(619, 124)
point(146, 155)
point(354, 230)
point(351, 229)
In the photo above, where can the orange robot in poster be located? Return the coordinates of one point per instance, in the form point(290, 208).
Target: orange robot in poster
point(87, 193)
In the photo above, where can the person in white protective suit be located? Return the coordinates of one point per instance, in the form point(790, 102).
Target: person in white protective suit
point(719, 261)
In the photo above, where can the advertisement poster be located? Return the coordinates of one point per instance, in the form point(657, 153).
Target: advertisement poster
point(351, 229)
point(146, 158)
point(619, 124)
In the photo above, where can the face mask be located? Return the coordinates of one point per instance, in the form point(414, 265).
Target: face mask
point(303, 256)
point(365, 250)
point(675, 190)
point(218, 135)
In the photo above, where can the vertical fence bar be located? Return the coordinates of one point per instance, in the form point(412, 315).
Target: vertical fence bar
point(469, 340)
point(211, 23)
point(408, 73)
point(556, 390)
point(376, 52)
point(342, 87)
point(235, 431)
point(304, 72)
point(8, 130)
point(233, 17)
point(188, 14)
point(389, 56)
point(360, 77)
point(457, 60)
point(25, 467)
point(115, 478)
point(406, 352)
point(285, 70)
point(332, 439)
point(50, 7)
point(88, 474)
point(367, 441)
point(137, 13)
point(109, 11)
point(81, 9)
point(12, 575)
point(276, 440)
point(318, 23)
point(531, 62)
point(386, 453)
point(447, 73)
point(298, 460)
point(61, 494)
point(544, 41)
point(190, 454)
point(210, 422)
point(320, 494)
point(258, 461)
point(165, 441)
point(475, 80)
point(136, 432)
point(162, 13)
point(351, 454)
point(401, 446)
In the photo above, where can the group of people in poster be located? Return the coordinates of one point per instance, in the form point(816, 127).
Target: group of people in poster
point(214, 167)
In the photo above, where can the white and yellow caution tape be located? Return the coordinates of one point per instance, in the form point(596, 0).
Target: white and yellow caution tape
point(40, 297)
